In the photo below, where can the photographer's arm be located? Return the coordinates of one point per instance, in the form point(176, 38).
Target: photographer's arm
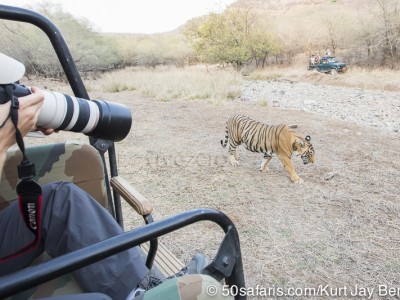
point(28, 112)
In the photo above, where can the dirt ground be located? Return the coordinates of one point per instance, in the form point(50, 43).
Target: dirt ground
point(339, 229)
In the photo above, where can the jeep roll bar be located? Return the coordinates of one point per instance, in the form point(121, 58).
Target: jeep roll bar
point(226, 264)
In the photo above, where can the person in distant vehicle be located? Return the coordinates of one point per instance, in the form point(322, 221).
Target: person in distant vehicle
point(312, 59)
point(317, 58)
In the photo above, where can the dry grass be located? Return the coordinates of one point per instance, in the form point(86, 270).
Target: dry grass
point(168, 83)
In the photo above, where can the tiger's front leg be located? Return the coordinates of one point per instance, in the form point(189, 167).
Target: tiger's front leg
point(264, 163)
point(288, 165)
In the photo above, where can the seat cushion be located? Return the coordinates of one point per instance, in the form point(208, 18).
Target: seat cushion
point(70, 161)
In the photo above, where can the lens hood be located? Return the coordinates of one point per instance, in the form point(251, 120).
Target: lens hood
point(115, 121)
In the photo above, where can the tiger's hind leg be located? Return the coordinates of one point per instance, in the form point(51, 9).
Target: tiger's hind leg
point(233, 156)
point(264, 163)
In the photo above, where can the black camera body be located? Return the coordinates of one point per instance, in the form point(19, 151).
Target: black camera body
point(96, 118)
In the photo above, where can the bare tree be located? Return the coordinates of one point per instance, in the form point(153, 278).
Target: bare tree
point(389, 32)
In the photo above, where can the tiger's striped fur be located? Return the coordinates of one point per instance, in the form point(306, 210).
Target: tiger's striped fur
point(269, 140)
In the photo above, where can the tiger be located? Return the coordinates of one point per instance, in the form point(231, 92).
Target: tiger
point(269, 140)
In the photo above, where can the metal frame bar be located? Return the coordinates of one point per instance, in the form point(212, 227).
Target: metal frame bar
point(35, 275)
point(71, 71)
point(32, 276)
point(151, 255)
point(57, 40)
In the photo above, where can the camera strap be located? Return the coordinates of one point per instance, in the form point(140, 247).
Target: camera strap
point(28, 190)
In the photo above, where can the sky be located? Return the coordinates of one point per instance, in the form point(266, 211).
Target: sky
point(133, 16)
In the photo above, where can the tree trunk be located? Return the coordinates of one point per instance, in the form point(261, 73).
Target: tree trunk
point(265, 59)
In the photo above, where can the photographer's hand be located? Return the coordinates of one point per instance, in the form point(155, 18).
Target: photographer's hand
point(28, 112)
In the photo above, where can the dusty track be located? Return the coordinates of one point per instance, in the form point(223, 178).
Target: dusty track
point(339, 228)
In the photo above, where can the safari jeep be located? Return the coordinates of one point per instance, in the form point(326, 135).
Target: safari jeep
point(328, 65)
point(63, 161)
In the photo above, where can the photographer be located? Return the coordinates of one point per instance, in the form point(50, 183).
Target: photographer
point(70, 220)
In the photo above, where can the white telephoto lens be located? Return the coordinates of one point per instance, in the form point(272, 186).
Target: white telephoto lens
point(94, 113)
point(75, 114)
point(53, 110)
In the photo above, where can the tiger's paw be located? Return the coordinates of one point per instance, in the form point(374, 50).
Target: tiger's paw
point(233, 161)
point(297, 180)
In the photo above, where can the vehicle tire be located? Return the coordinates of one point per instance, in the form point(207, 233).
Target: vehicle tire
point(334, 72)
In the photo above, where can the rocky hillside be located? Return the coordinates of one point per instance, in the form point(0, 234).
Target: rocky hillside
point(285, 6)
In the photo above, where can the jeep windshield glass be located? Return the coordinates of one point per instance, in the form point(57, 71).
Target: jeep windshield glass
point(332, 59)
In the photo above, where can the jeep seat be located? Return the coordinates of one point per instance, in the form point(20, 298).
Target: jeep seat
point(81, 164)
point(68, 161)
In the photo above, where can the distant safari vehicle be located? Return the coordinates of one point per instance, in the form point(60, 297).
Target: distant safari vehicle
point(328, 65)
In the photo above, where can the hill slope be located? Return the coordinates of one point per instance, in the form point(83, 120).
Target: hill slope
point(285, 6)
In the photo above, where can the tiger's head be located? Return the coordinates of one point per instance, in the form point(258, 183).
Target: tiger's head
point(305, 149)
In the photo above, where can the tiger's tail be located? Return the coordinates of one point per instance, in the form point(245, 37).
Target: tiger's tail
point(225, 142)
